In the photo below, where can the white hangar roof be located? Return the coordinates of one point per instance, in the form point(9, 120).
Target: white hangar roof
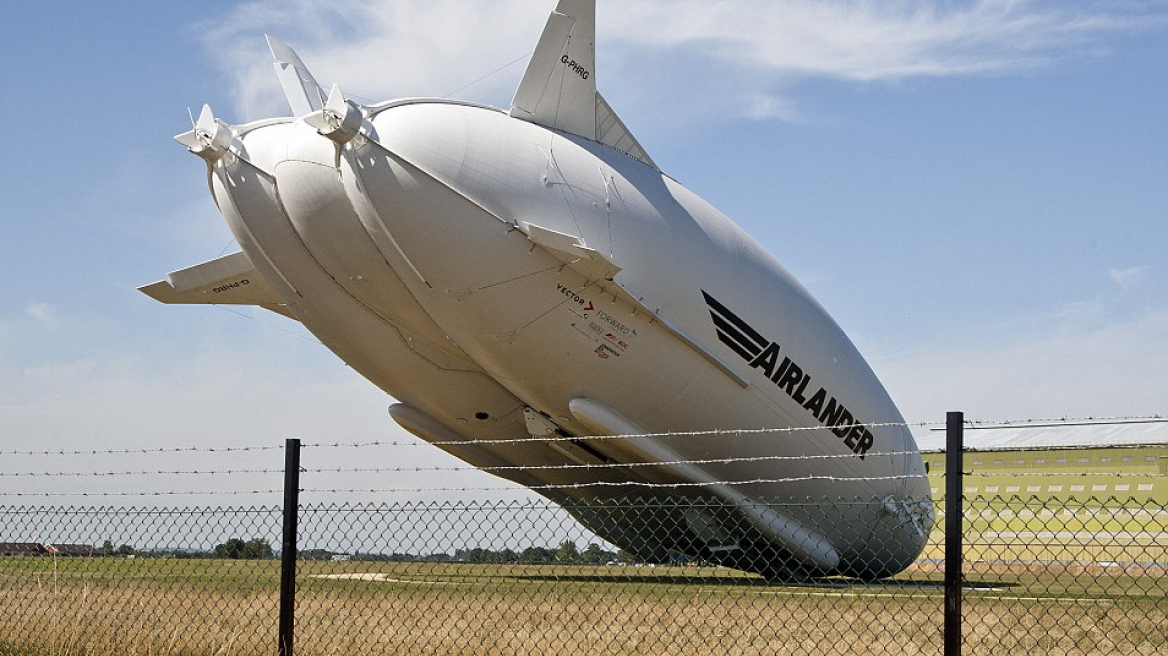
point(1053, 435)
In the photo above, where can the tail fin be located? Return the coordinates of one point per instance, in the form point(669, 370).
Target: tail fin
point(227, 280)
point(558, 89)
point(303, 93)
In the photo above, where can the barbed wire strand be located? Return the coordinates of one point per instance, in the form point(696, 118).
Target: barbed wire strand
point(156, 450)
point(1038, 422)
point(492, 488)
point(1034, 422)
point(467, 468)
point(504, 468)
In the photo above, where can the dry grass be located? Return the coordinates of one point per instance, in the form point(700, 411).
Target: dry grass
point(96, 607)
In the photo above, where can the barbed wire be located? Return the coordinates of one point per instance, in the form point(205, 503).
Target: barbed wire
point(422, 443)
point(598, 438)
point(1110, 474)
point(1036, 422)
point(480, 488)
point(450, 469)
point(145, 472)
point(511, 487)
point(975, 423)
point(157, 450)
point(153, 493)
point(582, 466)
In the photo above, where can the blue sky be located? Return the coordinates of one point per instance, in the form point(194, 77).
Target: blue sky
point(977, 191)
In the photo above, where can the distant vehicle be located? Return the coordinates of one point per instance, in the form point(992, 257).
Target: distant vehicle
point(531, 273)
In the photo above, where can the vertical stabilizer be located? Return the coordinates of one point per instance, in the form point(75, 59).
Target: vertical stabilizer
point(303, 93)
point(559, 87)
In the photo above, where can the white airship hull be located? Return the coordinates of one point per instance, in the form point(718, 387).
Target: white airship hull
point(506, 280)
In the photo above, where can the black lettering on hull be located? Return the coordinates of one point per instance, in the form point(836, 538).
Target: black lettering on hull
point(763, 354)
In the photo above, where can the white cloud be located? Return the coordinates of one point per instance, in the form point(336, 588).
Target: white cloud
point(42, 312)
point(859, 40)
point(391, 48)
point(1130, 277)
point(1072, 366)
point(377, 50)
point(213, 399)
point(761, 107)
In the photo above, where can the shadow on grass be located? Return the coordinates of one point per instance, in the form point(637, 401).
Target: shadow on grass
point(754, 582)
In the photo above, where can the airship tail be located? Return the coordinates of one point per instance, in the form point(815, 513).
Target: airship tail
point(558, 89)
point(304, 94)
point(227, 280)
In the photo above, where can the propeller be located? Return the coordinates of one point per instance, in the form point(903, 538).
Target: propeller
point(340, 120)
point(210, 138)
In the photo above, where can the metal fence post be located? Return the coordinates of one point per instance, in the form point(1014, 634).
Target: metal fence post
point(288, 545)
point(954, 465)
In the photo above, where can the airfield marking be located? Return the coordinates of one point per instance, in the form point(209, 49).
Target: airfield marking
point(380, 578)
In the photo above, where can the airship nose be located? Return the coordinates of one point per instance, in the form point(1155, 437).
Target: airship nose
point(899, 529)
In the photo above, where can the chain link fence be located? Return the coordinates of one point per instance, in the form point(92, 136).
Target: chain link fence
point(136, 581)
point(670, 572)
point(525, 577)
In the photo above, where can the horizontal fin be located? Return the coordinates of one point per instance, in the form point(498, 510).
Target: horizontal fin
point(611, 131)
point(228, 280)
point(570, 250)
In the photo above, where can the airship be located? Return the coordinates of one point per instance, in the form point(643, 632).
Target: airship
point(543, 302)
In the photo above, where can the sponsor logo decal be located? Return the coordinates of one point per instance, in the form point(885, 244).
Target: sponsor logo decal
point(610, 336)
point(763, 354)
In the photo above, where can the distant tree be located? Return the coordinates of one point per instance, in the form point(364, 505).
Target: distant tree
point(567, 552)
point(236, 548)
point(230, 549)
point(594, 555)
point(125, 550)
point(107, 548)
point(257, 548)
point(537, 555)
point(480, 555)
